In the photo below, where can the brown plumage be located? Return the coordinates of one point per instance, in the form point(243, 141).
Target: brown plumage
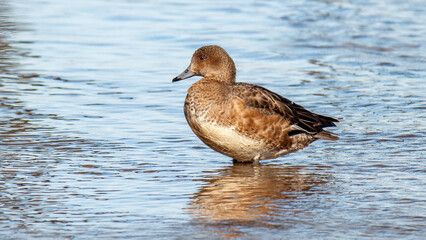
point(245, 121)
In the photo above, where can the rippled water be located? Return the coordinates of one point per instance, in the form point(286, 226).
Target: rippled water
point(94, 143)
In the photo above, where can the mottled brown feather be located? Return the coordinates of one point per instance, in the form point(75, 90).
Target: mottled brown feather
point(271, 103)
point(245, 121)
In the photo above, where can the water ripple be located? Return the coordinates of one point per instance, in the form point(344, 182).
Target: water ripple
point(94, 143)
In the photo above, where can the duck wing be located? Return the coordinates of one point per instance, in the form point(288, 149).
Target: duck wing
point(301, 120)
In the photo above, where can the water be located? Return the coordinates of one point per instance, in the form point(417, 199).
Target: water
point(94, 143)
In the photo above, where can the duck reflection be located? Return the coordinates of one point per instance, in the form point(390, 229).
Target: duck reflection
point(247, 192)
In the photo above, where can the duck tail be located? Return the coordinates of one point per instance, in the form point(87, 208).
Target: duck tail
point(326, 135)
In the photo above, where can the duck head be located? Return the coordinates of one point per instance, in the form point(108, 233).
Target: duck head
point(211, 62)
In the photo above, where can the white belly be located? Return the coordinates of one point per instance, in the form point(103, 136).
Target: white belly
point(227, 140)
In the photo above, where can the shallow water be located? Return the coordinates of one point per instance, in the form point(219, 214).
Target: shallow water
point(94, 143)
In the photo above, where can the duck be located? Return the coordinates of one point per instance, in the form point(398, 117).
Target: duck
point(244, 121)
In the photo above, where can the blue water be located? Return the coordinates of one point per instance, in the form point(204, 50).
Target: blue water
point(94, 144)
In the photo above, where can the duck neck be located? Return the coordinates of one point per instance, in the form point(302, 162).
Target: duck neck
point(228, 75)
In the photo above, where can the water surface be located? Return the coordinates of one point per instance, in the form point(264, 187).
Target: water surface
point(94, 143)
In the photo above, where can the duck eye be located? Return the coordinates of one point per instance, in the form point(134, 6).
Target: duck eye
point(202, 57)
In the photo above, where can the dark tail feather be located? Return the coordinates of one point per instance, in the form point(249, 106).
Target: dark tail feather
point(327, 121)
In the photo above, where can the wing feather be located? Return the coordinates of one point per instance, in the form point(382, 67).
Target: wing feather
point(269, 102)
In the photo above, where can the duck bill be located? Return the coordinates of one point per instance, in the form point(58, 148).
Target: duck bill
point(186, 74)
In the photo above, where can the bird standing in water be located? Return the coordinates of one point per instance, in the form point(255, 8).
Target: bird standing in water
point(241, 120)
